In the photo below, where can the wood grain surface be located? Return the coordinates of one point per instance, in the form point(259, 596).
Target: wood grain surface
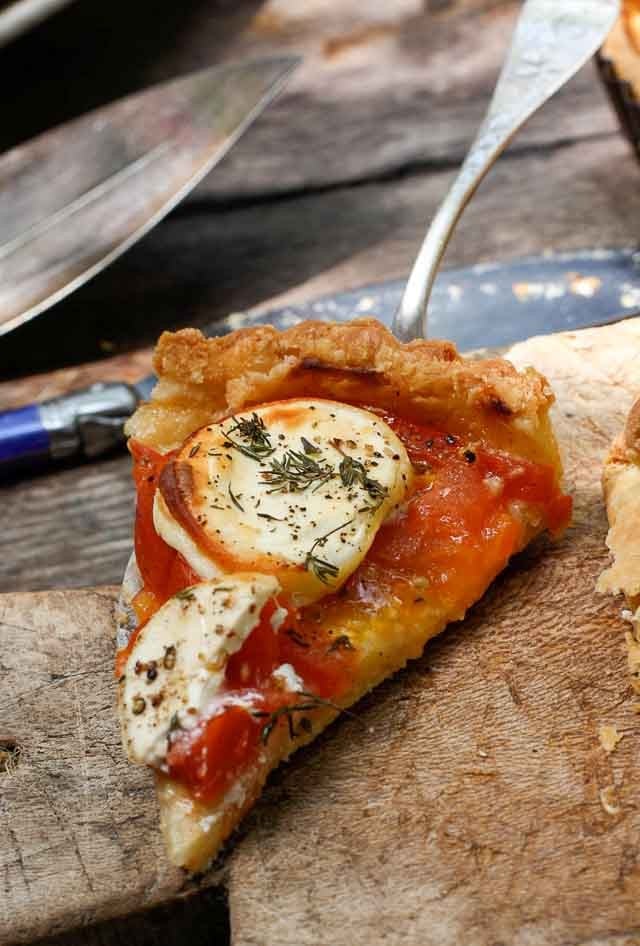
point(463, 804)
point(78, 826)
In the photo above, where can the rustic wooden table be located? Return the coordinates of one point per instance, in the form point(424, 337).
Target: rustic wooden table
point(331, 189)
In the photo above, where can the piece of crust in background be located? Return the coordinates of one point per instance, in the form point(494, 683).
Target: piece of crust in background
point(621, 486)
point(202, 380)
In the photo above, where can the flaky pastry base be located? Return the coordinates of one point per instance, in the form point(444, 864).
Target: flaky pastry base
point(202, 380)
point(621, 488)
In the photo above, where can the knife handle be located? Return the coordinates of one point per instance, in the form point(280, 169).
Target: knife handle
point(23, 436)
point(85, 423)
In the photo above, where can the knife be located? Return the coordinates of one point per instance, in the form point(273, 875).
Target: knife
point(117, 171)
point(76, 197)
point(480, 306)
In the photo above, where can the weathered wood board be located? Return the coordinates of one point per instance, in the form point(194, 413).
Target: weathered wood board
point(463, 805)
point(418, 71)
point(78, 838)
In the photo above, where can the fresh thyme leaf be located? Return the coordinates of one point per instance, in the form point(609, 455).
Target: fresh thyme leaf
point(309, 447)
point(296, 472)
point(321, 568)
point(322, 701)
point(253, 438)
point(265, 515)
point(234, 499)
point(187, 594)
point(194, 450)
point(354, 471)
point(348, 471)
point(311, 702)
point(286, 712)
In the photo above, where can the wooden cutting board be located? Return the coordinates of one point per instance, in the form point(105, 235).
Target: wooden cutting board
point(463, 805)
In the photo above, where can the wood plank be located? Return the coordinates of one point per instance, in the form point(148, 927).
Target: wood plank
point(467, 807)
point(382, 87)
point(378, 95)
point(129, 367)
point(68, 529)
point(78, 826)
point(200, 920)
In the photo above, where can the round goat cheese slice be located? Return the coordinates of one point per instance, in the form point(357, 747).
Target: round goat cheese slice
point(297, 489)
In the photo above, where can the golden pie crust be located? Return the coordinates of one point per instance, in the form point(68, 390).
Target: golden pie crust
point(201, 380)
point(204, 379)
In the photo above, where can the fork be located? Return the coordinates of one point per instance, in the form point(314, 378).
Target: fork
point(552, 40)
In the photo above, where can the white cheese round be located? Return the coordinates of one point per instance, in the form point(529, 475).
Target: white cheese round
point(296, 489)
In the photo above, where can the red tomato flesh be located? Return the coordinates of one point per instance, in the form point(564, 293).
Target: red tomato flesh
point(208, 758)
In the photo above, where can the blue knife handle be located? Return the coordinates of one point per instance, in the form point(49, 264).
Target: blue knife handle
point(23, 436)
point(84, 423)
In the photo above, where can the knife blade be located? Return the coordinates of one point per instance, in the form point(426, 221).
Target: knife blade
point(76, 197)
point(479, 306)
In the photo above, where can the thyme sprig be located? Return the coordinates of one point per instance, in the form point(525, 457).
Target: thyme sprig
point(321, 568)
point(274, 716)
point(308, 447)
point(235, 499)
point(254, 438)
point(296, 472)
point(354, 471)
point(311, 702)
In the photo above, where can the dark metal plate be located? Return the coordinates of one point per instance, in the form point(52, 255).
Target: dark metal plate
point(495, 304)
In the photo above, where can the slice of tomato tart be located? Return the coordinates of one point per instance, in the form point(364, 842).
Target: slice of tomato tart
point(312, 506)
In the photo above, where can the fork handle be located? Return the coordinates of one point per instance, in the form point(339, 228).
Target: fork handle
point(552, 40)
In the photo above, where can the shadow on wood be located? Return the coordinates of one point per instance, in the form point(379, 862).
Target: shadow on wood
point(201, 919)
